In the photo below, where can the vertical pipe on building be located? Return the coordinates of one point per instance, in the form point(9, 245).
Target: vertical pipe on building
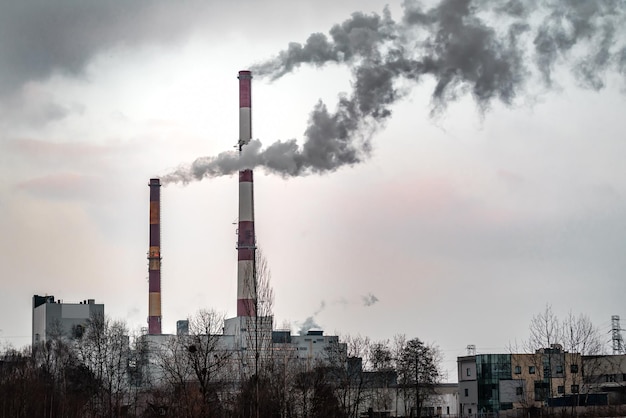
point(154, 259)
point(246, 241)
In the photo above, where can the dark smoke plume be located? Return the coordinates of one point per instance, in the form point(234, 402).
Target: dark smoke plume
point(454, 44)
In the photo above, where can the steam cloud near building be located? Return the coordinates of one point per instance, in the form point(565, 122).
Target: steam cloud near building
point(451, 42)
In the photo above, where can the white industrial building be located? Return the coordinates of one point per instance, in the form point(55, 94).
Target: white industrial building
point(55, 318)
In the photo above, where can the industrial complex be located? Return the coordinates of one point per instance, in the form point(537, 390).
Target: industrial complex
point(508, 384)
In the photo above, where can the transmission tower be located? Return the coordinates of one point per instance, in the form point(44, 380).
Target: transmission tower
point(618, 343)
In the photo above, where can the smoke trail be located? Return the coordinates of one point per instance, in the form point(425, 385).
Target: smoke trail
point(369, 299)
point(309, 323)
point(451, 42)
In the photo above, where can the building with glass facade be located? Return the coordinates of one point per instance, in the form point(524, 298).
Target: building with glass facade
point(490, 383)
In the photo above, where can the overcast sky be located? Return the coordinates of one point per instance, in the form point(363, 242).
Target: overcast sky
point(445, 169)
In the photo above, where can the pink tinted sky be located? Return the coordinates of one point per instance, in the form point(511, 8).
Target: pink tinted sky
point(462, 226)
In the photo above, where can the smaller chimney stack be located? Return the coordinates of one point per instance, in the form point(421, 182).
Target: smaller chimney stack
point(154, 259)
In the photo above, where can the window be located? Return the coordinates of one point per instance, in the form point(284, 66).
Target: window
point(518, 369)
point(574, 388)
point(559, 369)
point(466, 392)
point(468, 372)
point(531, 369)
point(519, 391)
point(573, 368)
point(542, 390)
point(546, 371)
point(560, 389)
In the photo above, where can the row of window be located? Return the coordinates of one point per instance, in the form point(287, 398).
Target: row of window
point(519, 391)
point(546, 371)
point(532, 370)
point(560, 389)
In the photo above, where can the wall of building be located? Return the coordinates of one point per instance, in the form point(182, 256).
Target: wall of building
point(55, 318)
point(468, 386)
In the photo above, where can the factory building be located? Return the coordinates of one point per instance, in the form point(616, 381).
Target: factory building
point(55, 318)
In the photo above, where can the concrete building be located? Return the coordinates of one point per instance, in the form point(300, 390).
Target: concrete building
point(549, 378)
point(54, 318)
point(468, 386)
point(605, 374)
point(490, 383)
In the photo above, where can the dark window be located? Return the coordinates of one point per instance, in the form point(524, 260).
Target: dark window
point(469, 411)
point(468, 372)
point(546, 371)
point(466, 392)
point(78, 331)
point(519, 391)
point(542, 390)
point(506, 405)
point(559, 369)
point(518, 369)
point(560, 389)
point(531, 369)
point(573, 368)
point(574, 388)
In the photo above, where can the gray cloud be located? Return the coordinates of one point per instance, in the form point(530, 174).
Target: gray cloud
point(40, 38)
point(451, 43)
point(35, 107)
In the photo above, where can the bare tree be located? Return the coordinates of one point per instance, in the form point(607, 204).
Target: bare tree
point(418, 367)
point(580, 335)
point(104, 348)
point(196, 367)
point(380, 362)
point(344, 368)
point(545, 330)
point(259, 336)
point(556, 347)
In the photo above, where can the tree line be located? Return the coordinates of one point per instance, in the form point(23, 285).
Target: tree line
point(103, 371)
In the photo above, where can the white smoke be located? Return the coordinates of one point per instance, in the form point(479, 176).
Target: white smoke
point(310, 323)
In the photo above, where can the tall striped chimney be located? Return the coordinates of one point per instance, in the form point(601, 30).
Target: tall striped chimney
point(246, 241)
point(154, 259)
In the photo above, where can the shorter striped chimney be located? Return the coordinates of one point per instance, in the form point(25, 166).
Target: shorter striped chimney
point(154, 259)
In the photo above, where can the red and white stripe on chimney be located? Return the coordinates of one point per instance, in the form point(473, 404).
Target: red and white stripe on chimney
point(154, 259)
point(246, 240)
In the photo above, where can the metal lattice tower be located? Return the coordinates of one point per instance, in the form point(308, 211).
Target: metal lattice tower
point(618, 343)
